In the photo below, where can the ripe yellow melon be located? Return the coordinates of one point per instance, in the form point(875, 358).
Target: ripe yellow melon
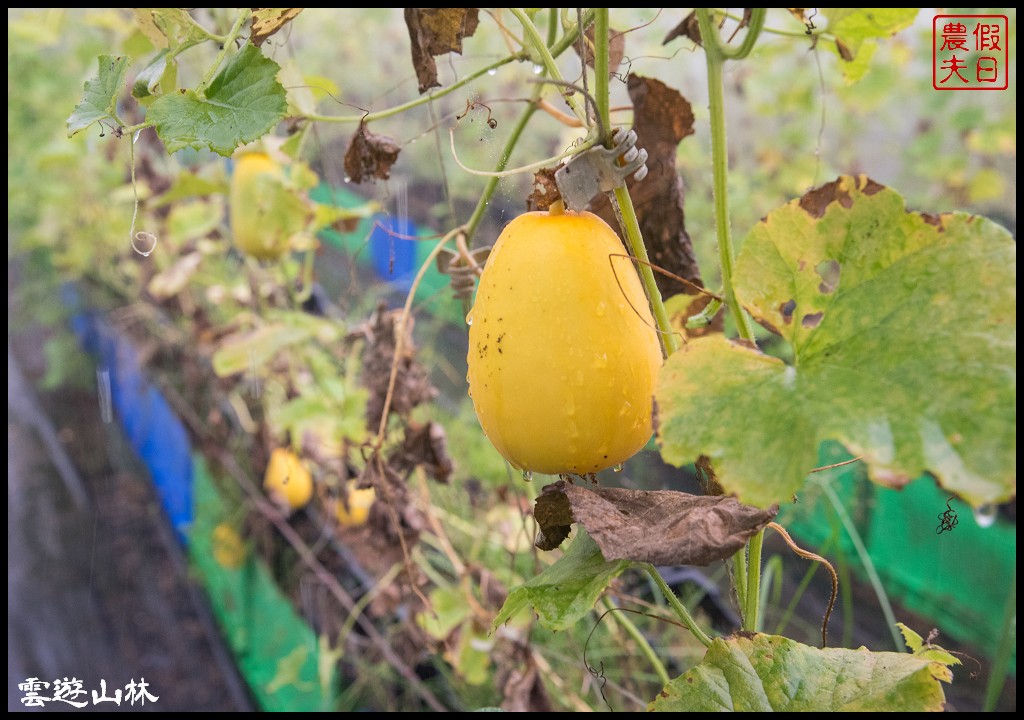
point(563, 352)
point(357, 511)
point(258, 226)
point(287, 480)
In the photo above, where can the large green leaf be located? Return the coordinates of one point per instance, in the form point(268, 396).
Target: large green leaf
point(243, 103)
point(765, 673)
point(903, 332)
point(567, 590)
point(99, 98)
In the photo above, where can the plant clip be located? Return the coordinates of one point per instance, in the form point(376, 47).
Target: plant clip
point(601, 169)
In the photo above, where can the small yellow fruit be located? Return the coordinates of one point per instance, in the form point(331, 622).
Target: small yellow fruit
point(258, 226)
point(360, 500)
point(563, 354)
point(287, 480)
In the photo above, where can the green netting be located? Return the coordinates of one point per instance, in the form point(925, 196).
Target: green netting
point(958, 579)
point(276, 651)
point(433, 293)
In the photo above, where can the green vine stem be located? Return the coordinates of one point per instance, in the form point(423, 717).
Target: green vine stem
point(681, 612)
point(747, 588)
point(645, 647)
point(720, 160)
point(229, 40)
point(517, 129)
point(421, 100)
point(753, 599)
point(620, 199)
point(547, 60)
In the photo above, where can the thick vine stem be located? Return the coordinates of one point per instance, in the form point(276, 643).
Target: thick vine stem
point(747, 569)
point(621, 201)
point(715, 60)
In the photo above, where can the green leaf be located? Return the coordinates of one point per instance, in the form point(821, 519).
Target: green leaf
point(247, 352)
point(317, 419)
point(99, 99)
point(159, 77)
point(926, 651)
point(244, 102)
point(914, 641)
point(567, 590)
point(857, 29)
point(194, 219)
point(448, 611)
point(765, 673)
point(903, 330)
point(188, 184)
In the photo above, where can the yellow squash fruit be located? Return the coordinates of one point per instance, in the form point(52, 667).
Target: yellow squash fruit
point(563, 354)
point(287, 480)
point(261, 223)
point(357, 512)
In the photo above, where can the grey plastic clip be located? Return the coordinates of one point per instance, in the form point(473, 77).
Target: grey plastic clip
point(598, 170)
point(463, 274)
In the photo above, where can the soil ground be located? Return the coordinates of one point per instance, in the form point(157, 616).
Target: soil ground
point(97, 588)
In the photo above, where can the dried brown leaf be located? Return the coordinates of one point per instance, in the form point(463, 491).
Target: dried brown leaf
point(425, 445)
point(663, 527)
point(688, 28)
point(267, 21)
point(616, 48)
point(412, 384)
point(370, 155)
point(545, 191)
point(662, 118)
point(436, 31)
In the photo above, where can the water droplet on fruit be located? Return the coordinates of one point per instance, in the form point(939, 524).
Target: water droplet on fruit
point(469, 319)
point(528, 475)
point(601, 308)
point(985, 515)
point(617, 468)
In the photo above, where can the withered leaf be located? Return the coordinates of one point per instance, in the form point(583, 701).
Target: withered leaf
point(425, 445)
point(399, 519)
point(688, 28)
point(545, 191)
point(370, 155)
point(436, 31)
point(616, 48)
point(267, 21)
point(662, 118)
point(412, 383)
point(663, 527)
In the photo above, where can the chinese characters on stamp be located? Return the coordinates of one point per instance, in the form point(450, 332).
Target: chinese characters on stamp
point(970, 52)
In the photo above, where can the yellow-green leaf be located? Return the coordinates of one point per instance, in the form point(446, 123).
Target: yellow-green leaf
point(903, 333)
point(768, 673)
